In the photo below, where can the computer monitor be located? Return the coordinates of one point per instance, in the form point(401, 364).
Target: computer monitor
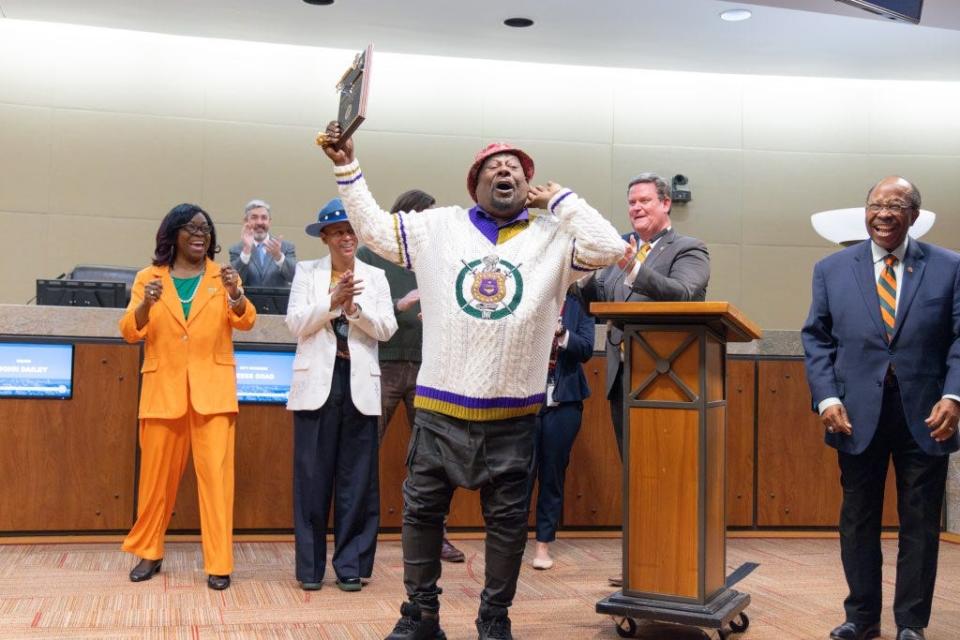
point(270, 300)
point(80, 293)
point(36, 370)
point(263, 375)
point(904, 10)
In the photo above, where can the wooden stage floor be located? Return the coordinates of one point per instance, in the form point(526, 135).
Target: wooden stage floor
point(80, 590)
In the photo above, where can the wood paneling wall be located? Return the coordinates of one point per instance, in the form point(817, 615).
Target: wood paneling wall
point(741, 415)
point(70, 465)
point(798, 480)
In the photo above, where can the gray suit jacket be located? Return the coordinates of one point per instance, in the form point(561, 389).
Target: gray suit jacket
point(270, 275)
point(677, 269)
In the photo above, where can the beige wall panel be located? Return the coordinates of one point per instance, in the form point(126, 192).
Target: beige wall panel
point(23, 261)
point(726, 268)
point(123, 165)
point(715, 177)
point(129, 72)
point(28, 53)
point(275, 84)
point(279, 164)
point(428, 95)
point(677, 109)
point(396, 162)
point(805, 114)
point(24, 158)
point(585, 168)
point(73, 240)
point(776, 284)
point(781, 191)
point(938, 179)
point(547, 102)
point(914, 118)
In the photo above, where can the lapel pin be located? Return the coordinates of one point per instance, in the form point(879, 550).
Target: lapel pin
point(909, 269)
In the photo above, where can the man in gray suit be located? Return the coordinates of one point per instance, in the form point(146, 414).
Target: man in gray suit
point(260, 259)
point(666, 267)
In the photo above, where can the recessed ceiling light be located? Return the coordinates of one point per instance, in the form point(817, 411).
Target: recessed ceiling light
point(736, 15)
point(519, 23)
point(320, 2)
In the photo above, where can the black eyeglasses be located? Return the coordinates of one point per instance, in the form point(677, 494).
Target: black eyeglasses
point(197, 230)
point(876, 207)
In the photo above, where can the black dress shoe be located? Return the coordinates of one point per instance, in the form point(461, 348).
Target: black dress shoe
point(909, 633)
point(854, 631)
point(218, 583)
point(349, 584)
point(145, 570)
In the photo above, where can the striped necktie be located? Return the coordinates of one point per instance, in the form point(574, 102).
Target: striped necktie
point(887, 290)
point(643, 252)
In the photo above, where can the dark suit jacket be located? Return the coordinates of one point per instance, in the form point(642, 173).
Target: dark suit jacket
point(270, 275)
point(678, 269)
point(847, 355)
point(570, 383)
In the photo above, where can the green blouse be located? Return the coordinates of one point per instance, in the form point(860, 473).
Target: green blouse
point(186, 291)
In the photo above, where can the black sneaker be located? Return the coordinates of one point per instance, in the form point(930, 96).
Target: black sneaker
point(496, 628)
point(413, 626)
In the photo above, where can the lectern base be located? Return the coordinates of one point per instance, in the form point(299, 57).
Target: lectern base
point(719, 612)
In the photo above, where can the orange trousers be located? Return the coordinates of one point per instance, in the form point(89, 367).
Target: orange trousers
point(164, 446)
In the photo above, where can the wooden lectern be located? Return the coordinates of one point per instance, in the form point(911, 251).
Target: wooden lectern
point(675, 413)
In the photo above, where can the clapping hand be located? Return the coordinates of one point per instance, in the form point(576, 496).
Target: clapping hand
point(246, 237)
point(629, 252)
point(273, 245)
point(342, 294)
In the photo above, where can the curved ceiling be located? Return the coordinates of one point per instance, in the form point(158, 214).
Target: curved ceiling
point(784, 37)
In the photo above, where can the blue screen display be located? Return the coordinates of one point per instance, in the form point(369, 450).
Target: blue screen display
point(33, 370)
point(264, 376)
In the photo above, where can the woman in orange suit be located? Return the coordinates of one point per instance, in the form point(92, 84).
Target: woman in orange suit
point(185, 307)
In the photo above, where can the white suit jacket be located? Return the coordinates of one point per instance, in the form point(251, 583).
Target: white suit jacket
point(309, 318)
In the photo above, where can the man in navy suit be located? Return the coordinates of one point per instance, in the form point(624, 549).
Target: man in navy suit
point(882, 345)
point(559, 420)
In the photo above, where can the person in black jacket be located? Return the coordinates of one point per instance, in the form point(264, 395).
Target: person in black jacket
point(559, 419)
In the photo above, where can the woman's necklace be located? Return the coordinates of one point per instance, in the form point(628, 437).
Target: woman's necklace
point(196, 288)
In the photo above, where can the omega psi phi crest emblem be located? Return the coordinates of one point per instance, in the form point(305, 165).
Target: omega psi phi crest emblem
point(490, 288)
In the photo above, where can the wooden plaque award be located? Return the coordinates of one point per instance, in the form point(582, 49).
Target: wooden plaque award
point(353, 87)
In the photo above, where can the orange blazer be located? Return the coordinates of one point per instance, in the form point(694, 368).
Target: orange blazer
point(186, 359)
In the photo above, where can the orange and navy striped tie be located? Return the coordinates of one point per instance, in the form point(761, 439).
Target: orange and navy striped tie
point(887, 290)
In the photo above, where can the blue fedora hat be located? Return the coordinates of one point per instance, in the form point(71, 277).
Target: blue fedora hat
point(331, 213)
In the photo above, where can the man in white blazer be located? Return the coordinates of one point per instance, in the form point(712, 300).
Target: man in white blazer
point(339, 309)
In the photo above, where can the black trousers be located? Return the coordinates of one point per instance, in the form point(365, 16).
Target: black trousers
point(616, 408)
point(494, 457)
point(921, 480)
point(557, 428)
point(335, 454)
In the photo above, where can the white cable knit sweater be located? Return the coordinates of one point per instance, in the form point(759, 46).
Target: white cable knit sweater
point(488, 310)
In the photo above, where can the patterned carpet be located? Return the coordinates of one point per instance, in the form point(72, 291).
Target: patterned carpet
point(82, 591)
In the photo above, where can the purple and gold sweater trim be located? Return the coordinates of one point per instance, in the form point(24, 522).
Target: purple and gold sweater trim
point(348, 174)
point(477, 409)
point(578, 264)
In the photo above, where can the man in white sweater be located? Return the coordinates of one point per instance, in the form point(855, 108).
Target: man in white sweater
point(492, 279)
